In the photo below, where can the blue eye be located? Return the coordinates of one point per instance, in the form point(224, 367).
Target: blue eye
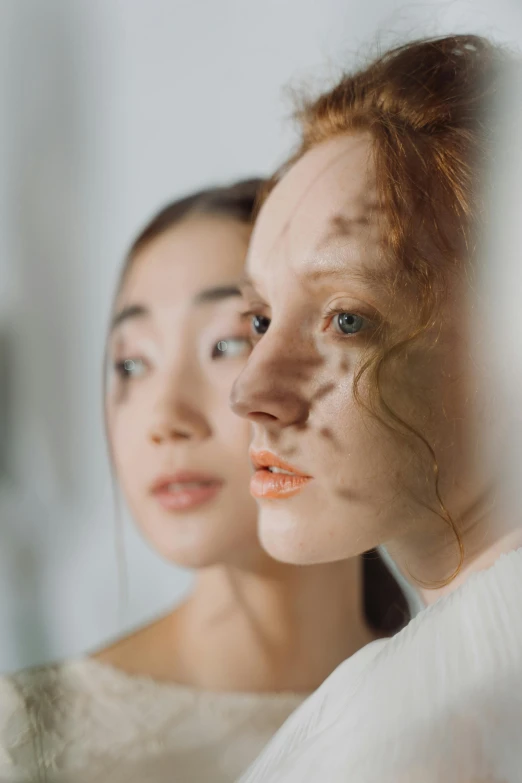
point(260, 324)
point(130, 368)
point(231, 348)
point(348, 323)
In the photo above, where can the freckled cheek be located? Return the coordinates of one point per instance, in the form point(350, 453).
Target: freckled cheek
point(355, 451)
point(336, 407)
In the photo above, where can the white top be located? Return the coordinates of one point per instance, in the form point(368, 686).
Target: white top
point(84, 721)
point(441, 702)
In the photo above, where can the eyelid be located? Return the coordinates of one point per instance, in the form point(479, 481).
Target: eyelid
point(241, 338)
point(118, 362)
point(255, 305)
point(351, 304)
point(247, 315)
point(371, 323)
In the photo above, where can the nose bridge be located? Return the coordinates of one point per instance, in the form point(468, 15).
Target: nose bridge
point(274, 385)
point(179, 410)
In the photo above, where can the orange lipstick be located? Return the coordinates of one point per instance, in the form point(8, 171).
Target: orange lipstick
point(274, 478)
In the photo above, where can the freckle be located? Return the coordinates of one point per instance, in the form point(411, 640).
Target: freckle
point(323, 391)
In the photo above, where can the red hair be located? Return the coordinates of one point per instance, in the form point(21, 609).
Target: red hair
point(423, 105)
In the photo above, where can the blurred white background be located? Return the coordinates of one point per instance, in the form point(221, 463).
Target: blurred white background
point(109, 109)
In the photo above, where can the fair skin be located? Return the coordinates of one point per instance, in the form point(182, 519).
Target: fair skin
point(319, 295)
point(178, 342)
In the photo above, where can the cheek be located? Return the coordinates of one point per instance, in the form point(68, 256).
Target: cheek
point(126, 425)
point(233, 429)
point(337, 416)
point(431, 394)
point(235, 435)
point(361, 459)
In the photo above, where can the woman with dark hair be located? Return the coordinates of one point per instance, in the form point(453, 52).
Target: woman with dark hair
point(364, 382)
point(196, 694)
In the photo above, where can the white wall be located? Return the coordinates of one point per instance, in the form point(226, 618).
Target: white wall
point(114, 107)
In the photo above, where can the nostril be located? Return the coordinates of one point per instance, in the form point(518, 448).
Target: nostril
point(180, 435)
point(170, 435)
point(261, 417)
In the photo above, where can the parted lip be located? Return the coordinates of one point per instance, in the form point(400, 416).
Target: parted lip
point(264, 459)
point(183, 477)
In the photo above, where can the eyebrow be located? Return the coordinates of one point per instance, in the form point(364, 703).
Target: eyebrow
point(379, 278)
point(244, 282)
point(129, 313)
point(339, 272)
point(216, 294)
point(369, 279)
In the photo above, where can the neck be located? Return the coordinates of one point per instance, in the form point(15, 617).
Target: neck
point(276, 628)
point(486, 532)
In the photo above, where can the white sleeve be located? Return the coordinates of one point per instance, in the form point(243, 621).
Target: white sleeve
point(16, 738)
point(307, 720)
point(478, 741)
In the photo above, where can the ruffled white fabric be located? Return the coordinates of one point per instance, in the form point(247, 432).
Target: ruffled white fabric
point(441, 702)
point(83, 721)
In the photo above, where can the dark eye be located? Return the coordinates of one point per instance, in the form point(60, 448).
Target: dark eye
point(348, 323)
point(231, 348)
point(260, 324)
point(130, 368)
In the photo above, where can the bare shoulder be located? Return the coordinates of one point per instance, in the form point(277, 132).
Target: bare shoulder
point(143, 651)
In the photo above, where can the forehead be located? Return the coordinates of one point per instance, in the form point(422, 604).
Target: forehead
point(328, 200)
point(198, 253)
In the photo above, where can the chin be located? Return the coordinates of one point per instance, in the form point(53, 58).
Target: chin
point(190, 551)
point(210, 553)
point(284, 538)
point(292, 539)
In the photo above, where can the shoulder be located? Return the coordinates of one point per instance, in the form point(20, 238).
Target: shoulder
point(439, 701)
point(50, 712)
point(139, 652)
point(315, 714)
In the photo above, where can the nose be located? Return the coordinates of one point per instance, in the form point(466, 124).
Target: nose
point(176, 420)
point(271, 389)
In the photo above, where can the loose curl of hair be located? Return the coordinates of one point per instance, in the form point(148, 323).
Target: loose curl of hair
point(423, 105)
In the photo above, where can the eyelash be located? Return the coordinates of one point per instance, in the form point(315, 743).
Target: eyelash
point(329, 315)
point(120, 370)
point(119, 366)
point(217, 354)
point(248, 315)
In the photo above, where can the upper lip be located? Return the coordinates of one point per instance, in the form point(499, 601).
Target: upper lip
point(184, 477)
point(266, 459)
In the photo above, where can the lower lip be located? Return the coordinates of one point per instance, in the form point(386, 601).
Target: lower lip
point(265, 484)
point(187, 498)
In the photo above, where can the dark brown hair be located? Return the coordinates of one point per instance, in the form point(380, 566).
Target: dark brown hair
point(424, 107)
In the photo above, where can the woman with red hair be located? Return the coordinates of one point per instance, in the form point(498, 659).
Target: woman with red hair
point(363, 393)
